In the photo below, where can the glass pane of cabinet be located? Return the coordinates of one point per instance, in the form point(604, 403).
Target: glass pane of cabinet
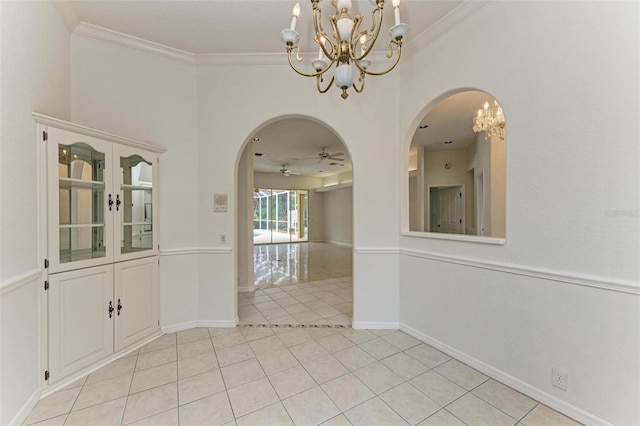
point(81, 196)
point(136, 204)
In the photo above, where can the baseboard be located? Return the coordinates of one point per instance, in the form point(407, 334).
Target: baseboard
point(369, 325)
point(513, 382)
point(217, 323)
point(173, 328)
point(246, 289)
point(26, 409)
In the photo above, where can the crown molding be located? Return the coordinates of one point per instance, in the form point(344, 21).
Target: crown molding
point(446, 24)
point(94, 32)
point(67, 14)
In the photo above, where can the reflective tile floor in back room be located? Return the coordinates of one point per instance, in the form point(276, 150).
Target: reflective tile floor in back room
point(265, 375)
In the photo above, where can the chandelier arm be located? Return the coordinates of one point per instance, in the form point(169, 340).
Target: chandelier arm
point(361, 80)
point(374, 30)
point(382, 72)
point(320, 32)
point(326, 89)
point(304, 74)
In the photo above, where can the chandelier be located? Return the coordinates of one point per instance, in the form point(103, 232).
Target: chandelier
point(347, 47)
point(490, 120)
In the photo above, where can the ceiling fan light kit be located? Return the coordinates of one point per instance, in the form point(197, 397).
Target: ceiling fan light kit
point(349, 45)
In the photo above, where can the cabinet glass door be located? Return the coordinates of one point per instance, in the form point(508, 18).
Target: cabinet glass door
point(81, 198)
point(135, 204)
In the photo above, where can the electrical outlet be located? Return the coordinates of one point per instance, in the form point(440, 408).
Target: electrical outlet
point(223, 238)
point(559, 379)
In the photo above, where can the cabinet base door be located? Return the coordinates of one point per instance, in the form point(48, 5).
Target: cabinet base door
point(136, 293)
point(80, 330)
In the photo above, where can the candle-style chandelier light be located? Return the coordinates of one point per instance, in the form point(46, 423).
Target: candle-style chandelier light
point(347, 46)
point(490, 120)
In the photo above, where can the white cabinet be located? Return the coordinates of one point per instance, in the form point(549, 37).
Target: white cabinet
point(101, 244)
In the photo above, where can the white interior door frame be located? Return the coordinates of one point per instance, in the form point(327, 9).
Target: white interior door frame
point(428, 202)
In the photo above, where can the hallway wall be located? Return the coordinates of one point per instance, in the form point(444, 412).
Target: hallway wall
point(563, 292)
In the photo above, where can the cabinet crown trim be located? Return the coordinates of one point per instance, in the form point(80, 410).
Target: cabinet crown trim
point(87, 131)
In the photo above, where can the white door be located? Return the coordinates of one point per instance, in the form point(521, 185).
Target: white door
point(447, 209)
point(80, 319)
point(136, 300)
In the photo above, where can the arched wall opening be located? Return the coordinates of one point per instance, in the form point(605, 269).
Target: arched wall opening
point(295, 153)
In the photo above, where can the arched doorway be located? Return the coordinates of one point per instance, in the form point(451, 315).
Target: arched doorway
point(295, 226)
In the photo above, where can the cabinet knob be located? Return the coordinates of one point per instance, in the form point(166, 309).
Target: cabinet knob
point(110, 309)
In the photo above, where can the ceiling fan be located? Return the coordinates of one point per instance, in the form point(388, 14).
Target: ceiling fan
point(324, 155)
point(286, 172)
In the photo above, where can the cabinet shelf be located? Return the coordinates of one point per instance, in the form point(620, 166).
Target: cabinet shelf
point(136, 187)
point(80, 183)
point(81, 225)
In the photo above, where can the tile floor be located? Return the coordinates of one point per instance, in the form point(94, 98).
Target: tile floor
point(289, 376)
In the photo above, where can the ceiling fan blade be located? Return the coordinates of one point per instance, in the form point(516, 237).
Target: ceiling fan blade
point(337, 154)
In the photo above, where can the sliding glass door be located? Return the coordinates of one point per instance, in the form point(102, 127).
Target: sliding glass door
point(280, 215)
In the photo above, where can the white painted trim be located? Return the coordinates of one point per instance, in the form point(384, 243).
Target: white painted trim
point(337, 243)
point(545, 274)
point(334, 187)
point(173, 328)
point(246, 289)
point(195, 250)
point(26, 409)
point(68, 15)
point(499, 375)
point(14, 283)
point(216, 323)
point(446, 24)
point(456, 237)
point(99, 134)
point(370, 325)
point(94, 32)
point(377, 250)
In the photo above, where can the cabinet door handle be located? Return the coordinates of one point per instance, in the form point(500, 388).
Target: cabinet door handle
point(110, 309)
point(110, 202)
point(119, 307)
point(118, 202)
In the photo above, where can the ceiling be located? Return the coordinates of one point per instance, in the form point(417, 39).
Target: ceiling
point(252, 27)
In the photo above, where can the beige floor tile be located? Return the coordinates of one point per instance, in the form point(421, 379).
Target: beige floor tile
point(461, 374)
point(378, 377)
point(211, 411)
point(117, 368)
point(296, 308)
point(286, 300)
point(53, 405)
point(324, 368)
point(266, 305)
point(542, 415)
point(401, 340)
point(335, 342)
point(78, 383)
point(311, 407)
point(267, 345)
point(347, 391)
point(427, 355)
point(410, 403)
point(241, 373)
point(159, 343)
point(404, 365)
point(198, 364)
point(153, 377)
point(295, 337)
point(217, 331)
point(341, 319)
point(109, 413)
point(326, 312)
point(291, 382)
point(227, 340)
point(506, 399)
point(103, 391)
point(277, 361)
point(195, 348)
point(472, 410)
point(256, 333)
point(379, 349)
point(151, 402)
point(155, 358)
point(308, 351)
point(288, 320)
point(200, 386)
point(275, 415)
point(192, 335)
point(306, 317)
point(339, 420)
point(234, 354)
point(166, 418)
point(438, 388)
point(374, 412)
point(358, 336)
point(354, 358)
point(442, 418)
point(252, 396)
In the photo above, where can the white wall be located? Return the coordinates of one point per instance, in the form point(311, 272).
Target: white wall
point(34, 58)
point(152, 99)
point(337, 216)
point(563, 291)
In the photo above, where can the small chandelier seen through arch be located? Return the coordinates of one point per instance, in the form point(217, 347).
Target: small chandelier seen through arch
point(348, 46)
